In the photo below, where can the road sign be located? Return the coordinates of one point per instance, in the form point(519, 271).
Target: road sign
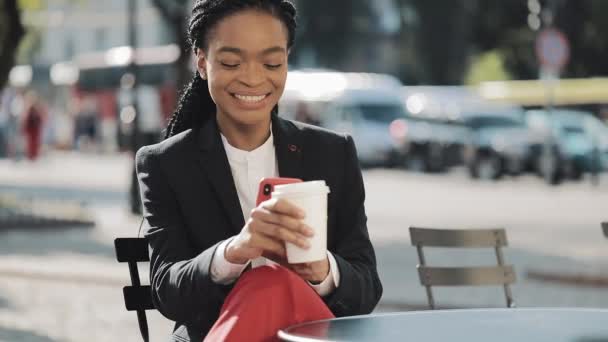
point(552, 49)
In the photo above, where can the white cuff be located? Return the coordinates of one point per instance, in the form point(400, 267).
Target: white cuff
point(332, 281)
point(222, 271)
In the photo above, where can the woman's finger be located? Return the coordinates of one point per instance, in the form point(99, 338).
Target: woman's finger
point(267, 215)
point(279, 232)
point(267, 244)
point(283, 234)
point(281, 206)
point(285, 221)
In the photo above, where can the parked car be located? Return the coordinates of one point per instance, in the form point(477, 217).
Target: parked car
point(436, 133)
point(567, 143)
point(499, 144)
point(366, 106)
point(376, 120)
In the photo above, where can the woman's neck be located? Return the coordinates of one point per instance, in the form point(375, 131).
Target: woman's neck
point(244, 137)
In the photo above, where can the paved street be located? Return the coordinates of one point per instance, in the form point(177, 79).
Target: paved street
point(64, 284)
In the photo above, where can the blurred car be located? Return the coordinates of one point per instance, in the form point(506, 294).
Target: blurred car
point(376, 120)
point(567, 143)
point(435, 134)
point(499, 144)
point(366, 106)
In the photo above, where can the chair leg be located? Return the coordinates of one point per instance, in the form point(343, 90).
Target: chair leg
point(429, 296)
point(509, 297)
point(143, 325)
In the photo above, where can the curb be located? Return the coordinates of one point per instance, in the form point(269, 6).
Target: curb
point(22, 213)
point(578, 280)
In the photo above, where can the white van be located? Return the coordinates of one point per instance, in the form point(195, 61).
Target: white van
point(367, 106)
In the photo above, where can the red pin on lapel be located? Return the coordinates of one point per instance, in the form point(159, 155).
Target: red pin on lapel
point(292, 148)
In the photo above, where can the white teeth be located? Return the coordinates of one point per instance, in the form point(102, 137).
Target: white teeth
point(250, 98)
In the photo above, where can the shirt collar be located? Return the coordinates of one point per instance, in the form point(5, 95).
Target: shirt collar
point(241, 156)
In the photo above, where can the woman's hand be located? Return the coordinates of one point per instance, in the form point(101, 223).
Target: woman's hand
point(314, 272)
point(270, 225)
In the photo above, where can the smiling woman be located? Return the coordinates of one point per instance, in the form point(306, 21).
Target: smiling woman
point(246, 74)
point(218, 261)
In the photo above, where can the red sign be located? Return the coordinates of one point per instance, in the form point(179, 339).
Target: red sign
point(552, 49)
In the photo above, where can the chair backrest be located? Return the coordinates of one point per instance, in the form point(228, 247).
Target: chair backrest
point(461, 276)
point(137, 297)
point(605, 228)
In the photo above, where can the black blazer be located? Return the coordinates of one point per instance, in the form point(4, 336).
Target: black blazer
point(191, 204)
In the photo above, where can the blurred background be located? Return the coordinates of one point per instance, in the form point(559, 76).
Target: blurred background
point(466, 114)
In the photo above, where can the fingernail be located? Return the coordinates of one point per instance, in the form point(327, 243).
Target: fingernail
point(309, 231)
point(305, 244)
point(301, 213)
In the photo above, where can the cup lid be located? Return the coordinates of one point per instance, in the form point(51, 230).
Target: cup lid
point(310, 187)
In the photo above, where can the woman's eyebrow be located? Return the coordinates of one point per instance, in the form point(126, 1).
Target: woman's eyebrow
point(230, 49)
point(240, 52)
point(273, 49)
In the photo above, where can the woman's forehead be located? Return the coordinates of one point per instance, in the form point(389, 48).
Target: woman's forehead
point(248, 31)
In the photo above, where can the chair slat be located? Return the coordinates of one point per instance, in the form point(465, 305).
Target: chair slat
point(138, 298)
point(458, 237)
point(458, 276)
point(605, 228)
point(131, 249)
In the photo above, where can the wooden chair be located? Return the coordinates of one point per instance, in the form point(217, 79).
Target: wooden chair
point(463, 276)
point(605, 228)
point(137, 297)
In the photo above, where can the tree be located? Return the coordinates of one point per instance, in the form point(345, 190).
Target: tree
point(11, 32)
point(443, 39)
point(175, 13)
point(331, 31)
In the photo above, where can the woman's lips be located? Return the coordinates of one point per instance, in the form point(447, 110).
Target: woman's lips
point(251, 101)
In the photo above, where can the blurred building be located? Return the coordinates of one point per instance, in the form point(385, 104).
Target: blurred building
point(69, 28)
point(79, 56)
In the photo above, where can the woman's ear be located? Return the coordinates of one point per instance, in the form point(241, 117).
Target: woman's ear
point(201, 63)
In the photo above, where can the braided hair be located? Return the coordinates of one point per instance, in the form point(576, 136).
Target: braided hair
point(195, 105)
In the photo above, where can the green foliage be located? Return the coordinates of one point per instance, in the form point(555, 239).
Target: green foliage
point(488, 66)
point(30, 44)
point(332, 29)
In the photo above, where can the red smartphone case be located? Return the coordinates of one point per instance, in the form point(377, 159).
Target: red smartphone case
point(267, 185)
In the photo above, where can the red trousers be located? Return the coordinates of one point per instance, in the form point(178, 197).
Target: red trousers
point(263, 301)
point(33, 145)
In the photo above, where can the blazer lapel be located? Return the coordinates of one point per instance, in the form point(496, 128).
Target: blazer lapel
point(213, 160)
point(288, 148)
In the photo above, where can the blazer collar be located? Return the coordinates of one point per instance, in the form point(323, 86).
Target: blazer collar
point(213, 159)
point(288, 147)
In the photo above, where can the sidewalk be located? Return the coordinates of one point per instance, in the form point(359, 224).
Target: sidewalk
point(65, 285)
point(69, 171)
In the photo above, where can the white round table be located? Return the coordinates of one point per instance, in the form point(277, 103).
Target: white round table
point(520, 325)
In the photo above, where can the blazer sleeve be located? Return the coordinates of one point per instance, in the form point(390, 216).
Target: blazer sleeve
point(180, 278)
point(360, 288)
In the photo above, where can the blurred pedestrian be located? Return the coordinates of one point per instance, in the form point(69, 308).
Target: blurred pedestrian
point(34, 117)
point(5, 116)
point(199, 189)
point(87, 124)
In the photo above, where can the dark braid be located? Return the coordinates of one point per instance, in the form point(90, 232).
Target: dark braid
point(196, 105)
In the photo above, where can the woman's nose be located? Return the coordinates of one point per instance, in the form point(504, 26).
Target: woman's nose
point(252, 76)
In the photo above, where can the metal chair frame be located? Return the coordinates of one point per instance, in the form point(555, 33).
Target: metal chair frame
point(605, 228)
point(137, 297)
point(461, 276)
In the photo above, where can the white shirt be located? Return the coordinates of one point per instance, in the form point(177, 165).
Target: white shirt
point(248, 168)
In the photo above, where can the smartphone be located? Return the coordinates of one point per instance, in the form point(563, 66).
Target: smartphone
point(267, 185)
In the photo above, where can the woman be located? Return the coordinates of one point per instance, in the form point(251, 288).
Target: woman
point(211, 248)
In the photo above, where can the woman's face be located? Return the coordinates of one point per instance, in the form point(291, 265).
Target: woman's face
point(246, 66)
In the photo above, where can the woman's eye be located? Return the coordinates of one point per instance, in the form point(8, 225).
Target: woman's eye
point(273, 66)
point(230, 65)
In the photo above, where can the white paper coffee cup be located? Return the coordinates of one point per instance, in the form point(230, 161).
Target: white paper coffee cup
point(311, 197)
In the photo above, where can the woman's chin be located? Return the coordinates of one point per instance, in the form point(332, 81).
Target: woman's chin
point(251, 118)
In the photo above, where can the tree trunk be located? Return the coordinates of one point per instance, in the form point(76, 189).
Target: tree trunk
point(15, 32)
